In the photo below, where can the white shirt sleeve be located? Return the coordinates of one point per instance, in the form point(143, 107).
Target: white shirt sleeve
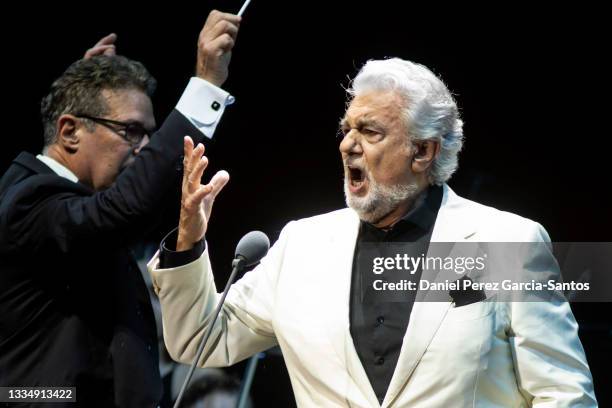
point(203, 103)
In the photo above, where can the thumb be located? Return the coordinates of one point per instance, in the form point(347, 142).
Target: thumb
point(218, 181)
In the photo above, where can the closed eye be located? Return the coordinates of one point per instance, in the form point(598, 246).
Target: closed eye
point(364, 128)
point(372, 135)
point(368, 131)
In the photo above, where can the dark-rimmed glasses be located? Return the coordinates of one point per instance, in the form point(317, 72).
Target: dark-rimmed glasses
point(132, 132)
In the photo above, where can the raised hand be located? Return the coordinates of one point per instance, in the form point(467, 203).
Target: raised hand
point(215, 45)
point(197, 199)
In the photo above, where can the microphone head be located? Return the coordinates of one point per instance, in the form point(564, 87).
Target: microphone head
point(252, 247)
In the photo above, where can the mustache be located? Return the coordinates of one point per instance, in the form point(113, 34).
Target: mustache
point(355, 164)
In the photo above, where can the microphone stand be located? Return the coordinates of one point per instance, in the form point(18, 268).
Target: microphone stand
point(237, 264)
point(248, 380)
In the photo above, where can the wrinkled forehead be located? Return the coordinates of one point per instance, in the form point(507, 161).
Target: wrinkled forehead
point(375, 105)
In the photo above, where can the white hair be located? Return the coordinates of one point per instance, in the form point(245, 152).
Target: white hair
point(430, 111)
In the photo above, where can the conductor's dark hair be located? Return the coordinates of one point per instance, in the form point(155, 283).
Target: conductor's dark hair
point(79, 89)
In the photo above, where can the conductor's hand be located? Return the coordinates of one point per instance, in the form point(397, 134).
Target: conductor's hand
point(215, 45)
point(106, 46)
point(197, 199)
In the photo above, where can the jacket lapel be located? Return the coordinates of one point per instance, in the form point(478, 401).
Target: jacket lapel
point(426, 316)
point(338, 288)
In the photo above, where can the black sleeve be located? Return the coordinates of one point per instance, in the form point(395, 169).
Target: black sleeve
point(170, 258)
point(44, 214)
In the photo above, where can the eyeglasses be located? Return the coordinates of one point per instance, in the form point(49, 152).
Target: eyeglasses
point(132, 132)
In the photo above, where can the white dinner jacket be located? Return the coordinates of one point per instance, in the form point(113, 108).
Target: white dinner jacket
point(485, 354)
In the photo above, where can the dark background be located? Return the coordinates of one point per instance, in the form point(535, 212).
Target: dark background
point(532, 85)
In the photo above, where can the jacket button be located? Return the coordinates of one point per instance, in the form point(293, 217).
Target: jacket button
point(380, 361)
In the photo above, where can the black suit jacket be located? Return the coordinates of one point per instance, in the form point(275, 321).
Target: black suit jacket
point(74, 310)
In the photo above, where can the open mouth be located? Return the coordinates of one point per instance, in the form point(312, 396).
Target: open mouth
point(357, 179)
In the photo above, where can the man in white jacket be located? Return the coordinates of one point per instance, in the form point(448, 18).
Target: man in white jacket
point(402, 135)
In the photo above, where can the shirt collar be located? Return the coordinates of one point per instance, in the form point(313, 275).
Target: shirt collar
point(424, 214)
point(58, 168)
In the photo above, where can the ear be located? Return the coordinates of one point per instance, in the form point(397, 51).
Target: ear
point(424, 154)
point(67, 135)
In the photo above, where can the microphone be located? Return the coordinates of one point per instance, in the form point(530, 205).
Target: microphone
point(250, 249)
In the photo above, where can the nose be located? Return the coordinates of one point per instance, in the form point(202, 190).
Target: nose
point(350, 144)
point(143, 143)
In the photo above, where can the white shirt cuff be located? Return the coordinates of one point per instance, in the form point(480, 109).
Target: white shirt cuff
point(203, 104)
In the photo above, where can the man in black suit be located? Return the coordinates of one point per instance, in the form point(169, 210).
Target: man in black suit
point(74, 311)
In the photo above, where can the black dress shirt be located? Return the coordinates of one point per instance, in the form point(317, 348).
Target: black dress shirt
point(378, 325)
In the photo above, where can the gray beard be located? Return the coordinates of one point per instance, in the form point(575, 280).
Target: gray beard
point(380, 201)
